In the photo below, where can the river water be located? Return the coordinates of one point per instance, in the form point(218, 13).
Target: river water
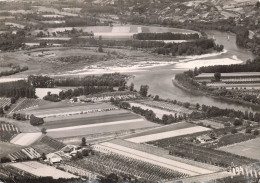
point(159, 79)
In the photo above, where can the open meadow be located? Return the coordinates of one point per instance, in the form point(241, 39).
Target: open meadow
point(250, 148)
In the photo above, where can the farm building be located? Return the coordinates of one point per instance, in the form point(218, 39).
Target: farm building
point(204, 138)
point(53, 158)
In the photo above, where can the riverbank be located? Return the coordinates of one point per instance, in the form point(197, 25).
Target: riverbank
point(221, 98)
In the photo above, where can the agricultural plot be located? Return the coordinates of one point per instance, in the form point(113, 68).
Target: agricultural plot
point(65, 109)
point(131, 151)
point(25, 104)
point(24, 154)
point(89, 120)
point(210, 123)
point(47, 145)
point(106, 163)
point(4, 102)
point(250, 148)
point(26, 139)
point(161, 129)
point(167, 134)
point(8, 148)
point(7, 131)
point(100, 128)
point(41, 170)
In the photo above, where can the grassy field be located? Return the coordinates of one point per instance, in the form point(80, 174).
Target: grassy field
point(104, 128)
point(250, 148)
point(166, 128)
point(63, 108)
point(84, 120)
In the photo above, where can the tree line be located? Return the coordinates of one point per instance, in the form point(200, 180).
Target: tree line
point(17, 89)
point(112, 80)
point(165, 36)
point(197, 47)
point(9, 41)
point(39, 81)
point(250, 66)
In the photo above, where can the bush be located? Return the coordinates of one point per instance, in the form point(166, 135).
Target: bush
point(35, 120)
point(248, 130)
point(233, 130)
point(237, 122)
point(256, 132)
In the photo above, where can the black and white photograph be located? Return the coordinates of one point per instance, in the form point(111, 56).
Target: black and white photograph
point(129, 91)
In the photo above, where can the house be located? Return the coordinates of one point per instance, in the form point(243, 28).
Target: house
point(53, 158)
point(204, 138)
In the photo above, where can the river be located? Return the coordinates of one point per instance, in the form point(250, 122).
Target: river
point(159, 79)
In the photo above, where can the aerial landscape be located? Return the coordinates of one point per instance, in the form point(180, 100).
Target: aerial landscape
point(129, 91)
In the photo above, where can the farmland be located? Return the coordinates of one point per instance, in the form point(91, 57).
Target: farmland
point(40, 170)
point(85, 120)
point(63, 109)
point(101, 128)
point(25, 139)
point(7, 148)
point(250, 148)
point(167, 134)
point(7, 131)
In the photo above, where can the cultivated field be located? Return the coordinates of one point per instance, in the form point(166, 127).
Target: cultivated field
point(100, 128)
point(250, 148)
point(167, 134)
point(164, 128)
point(89, 120)
point(25, 104)
point(26, 139)
point(41, 170)
point(63, 109)
point(7, 131)
point(8, 148)
point(211, 123)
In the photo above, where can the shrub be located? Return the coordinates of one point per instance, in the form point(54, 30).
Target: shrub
point(248, 130)
point(256, 132)
point(233, 130)
point(35, 120)
point(237, 122)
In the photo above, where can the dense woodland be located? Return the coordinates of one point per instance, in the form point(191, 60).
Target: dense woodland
point(17, 89)
point(112, 80)
point(165, 36)
point(41, 81)
point(9, 41)
point(197, 47)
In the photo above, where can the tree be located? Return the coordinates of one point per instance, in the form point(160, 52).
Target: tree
point(131, 87)
point(217, 76)
point(197, 106)
point(44, 131)
point(237, 122)
point(256, 132)
point(100, 49)
point(144, 90)
point(43, 156)
point(35, 120)
point(1, 111)
point(257, 5)
point(156, 97)
point(83, 141)
point(233, 130)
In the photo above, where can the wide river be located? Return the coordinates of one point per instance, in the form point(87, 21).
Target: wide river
point(159, 79)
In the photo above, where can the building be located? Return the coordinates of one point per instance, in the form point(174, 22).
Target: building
point(204, 138)
point(53, 158)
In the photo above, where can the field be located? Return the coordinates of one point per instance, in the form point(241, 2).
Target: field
point(25, 139)
point(25, 104)
point(85, 120)
point(41, 170)
point(8, 148)
point(42, 92)
point(101, 128)
point(150, 155)
point(167, 134)
point(209, 122)
point(63, 109)
point(47, 145)
point(7, 131)
point(165, 128)
point(250, 148)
